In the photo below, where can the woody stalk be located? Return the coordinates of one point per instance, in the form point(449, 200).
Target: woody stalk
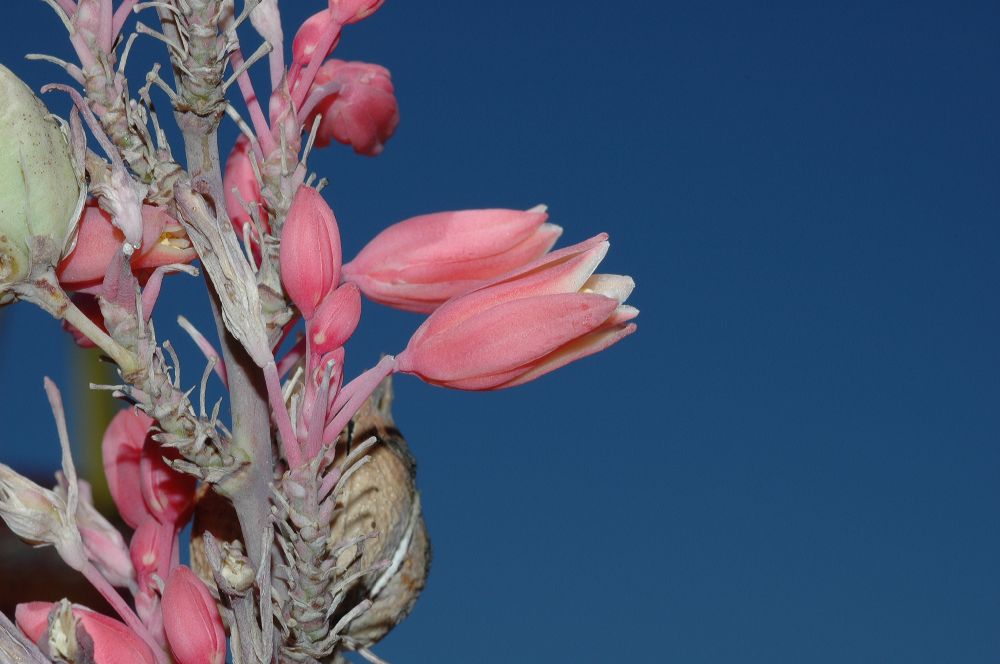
point(97, 210)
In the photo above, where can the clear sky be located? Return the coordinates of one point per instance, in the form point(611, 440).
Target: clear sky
point(796, 457)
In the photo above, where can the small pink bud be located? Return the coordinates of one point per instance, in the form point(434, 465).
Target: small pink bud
point(310, 252)
point(169, 495)
point(352, 11)
point(113, 642)
point(362, 112)
point(525, 324)
point(191, 620)
point(121, 450)
point(163, 242)
point(146, 551)
point(418, 264)
point(335, 319)
point(240, 176)
point(309, 35)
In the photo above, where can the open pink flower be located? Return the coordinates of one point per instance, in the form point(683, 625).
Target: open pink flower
point(361, 109)
point(525, 324)
point(419, 263)
point(163, 242)
point(113, 641)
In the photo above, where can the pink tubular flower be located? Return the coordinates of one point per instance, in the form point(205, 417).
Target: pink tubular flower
point(241, 187)
point(310, 254)
point(121, 450)
point(525, 324)
point(163, 242)
point(352, 11)
point(310, 33)
point(169, 495)
point(142, 485)
point(191, 620)
point(361, 110)
point(335, 320)
point(113, 641)
point(418, 264)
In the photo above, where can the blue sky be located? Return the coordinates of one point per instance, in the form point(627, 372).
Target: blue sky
point(795, 458)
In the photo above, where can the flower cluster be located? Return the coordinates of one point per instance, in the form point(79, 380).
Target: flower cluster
point(276, 568)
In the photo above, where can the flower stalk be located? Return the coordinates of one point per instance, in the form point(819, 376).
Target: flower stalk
point(281, 558)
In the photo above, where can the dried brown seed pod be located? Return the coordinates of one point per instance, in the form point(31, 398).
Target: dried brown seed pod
point(380, 496)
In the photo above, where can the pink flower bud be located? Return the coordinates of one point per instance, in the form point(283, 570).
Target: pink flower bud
point(168, 494)
point(525, 324)
point(113, 642)
point(121, 450)
point(146, 551)
point(418, 264)
point(361, 111)
point(163, 242)
point(352, 11)
point(240, 176)
point(335, 319)
point(191, 620)
point(310, 252)
point(310, 34)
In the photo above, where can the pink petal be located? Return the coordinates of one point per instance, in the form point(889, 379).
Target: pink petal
point(121, 450)
point(506, 336)
point(562, 271)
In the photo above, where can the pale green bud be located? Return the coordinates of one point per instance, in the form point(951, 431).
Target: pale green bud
point(39, 190)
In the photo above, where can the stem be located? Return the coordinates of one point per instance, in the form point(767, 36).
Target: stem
point(122, 608)
point(122, 357)
point(249, 490)
point(290, 445)
point(355, 393)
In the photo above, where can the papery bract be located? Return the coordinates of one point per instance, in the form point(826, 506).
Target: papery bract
point(242, 189)
point(419, 263)
point(362, 112)
point(163, 243)
point(335, 319)
point(39, 516)
point(191, 620)
point(113, 641)
point(524, 324)
point(310, 252)
point(103, 543)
